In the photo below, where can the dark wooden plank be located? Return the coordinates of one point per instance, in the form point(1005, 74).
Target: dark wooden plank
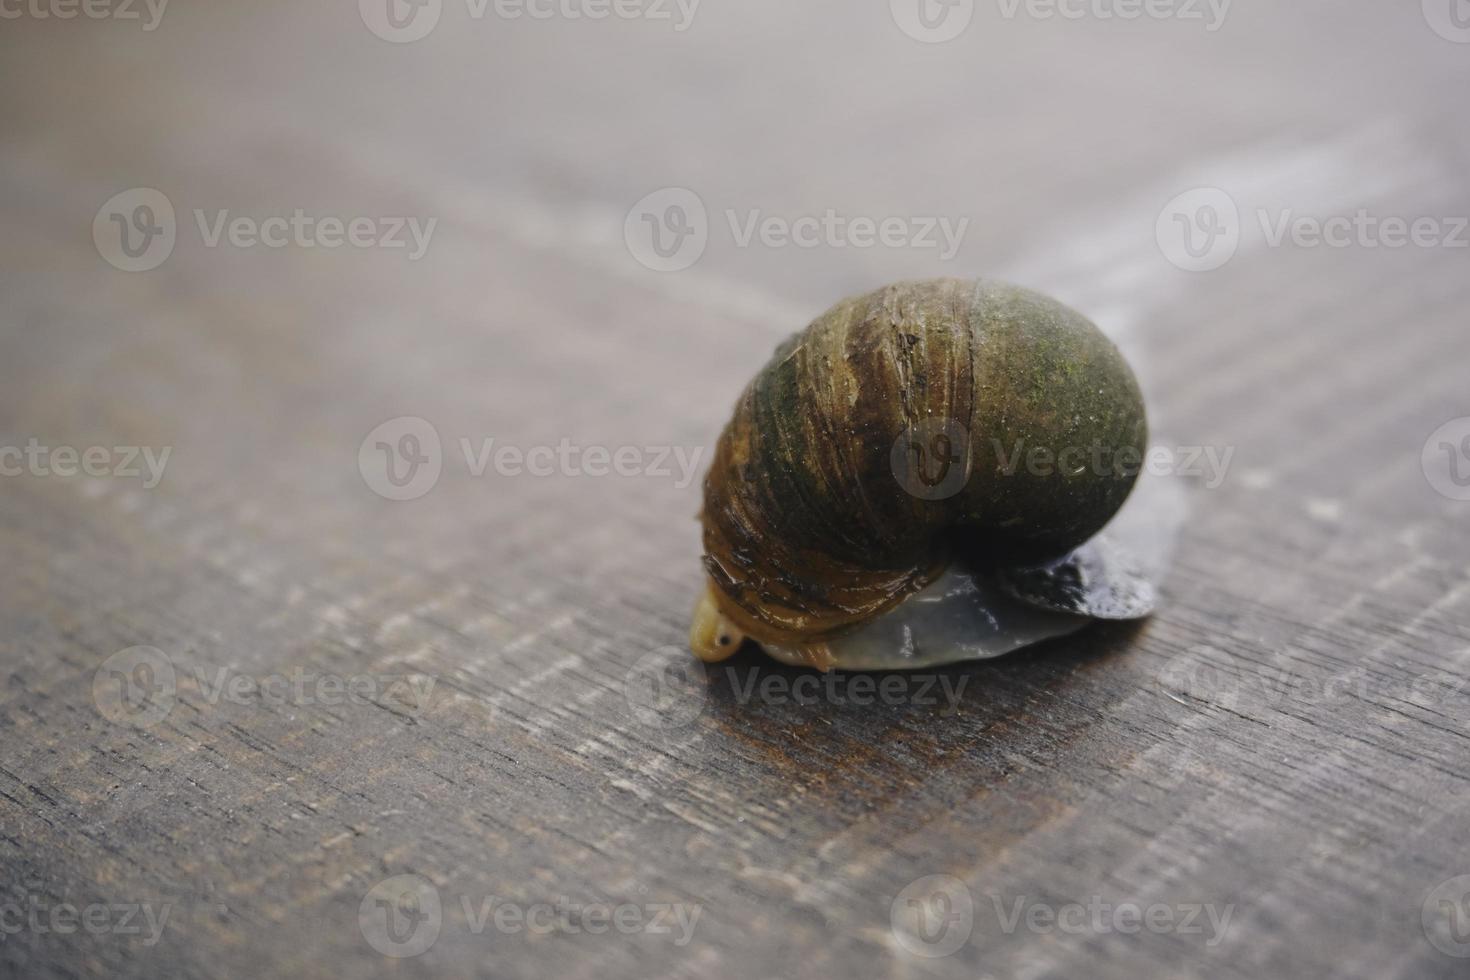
point(1281, 748)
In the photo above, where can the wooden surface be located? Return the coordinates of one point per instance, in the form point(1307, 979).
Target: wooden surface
point(1287, 738)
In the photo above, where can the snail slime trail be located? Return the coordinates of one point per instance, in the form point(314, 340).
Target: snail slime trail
point(864, 509)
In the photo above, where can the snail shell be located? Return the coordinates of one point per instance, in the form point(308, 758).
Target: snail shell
point(903, 430)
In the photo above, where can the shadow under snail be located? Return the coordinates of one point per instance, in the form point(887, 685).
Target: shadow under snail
point(921, 476)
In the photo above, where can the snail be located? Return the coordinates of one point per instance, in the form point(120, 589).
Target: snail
point(921, 476)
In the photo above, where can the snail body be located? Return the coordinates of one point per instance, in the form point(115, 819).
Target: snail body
point(916, 428)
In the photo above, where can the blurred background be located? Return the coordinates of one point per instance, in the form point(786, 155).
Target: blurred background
point(321, 253)
point(1047, 143)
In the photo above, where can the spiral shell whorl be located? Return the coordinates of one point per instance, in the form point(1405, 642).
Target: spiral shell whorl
point(807, 527)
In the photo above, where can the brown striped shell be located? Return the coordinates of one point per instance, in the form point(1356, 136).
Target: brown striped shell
point(903, 429)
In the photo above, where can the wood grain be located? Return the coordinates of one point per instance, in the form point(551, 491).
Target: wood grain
point(1286, 739)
